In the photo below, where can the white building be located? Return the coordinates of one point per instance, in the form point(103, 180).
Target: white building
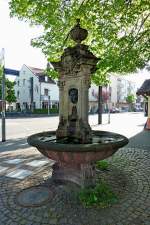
point(114, 94)
point(113, 91)
point(124, 88)
point(35, 90)
point(93, 98)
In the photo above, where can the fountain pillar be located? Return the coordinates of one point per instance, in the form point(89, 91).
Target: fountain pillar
point(75, 68)
point(81, 174)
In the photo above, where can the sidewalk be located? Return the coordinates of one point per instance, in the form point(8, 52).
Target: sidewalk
point(22, 166)
point(141, 140)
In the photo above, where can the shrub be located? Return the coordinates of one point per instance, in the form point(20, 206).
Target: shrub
point(45, 111)
point(100, 196)
point(102, 165)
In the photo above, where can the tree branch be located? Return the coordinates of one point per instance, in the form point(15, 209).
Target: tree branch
point(142, 23)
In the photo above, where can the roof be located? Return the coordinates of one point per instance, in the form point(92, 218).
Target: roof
point(144, 89)
point(36, 70)
point(41, 74)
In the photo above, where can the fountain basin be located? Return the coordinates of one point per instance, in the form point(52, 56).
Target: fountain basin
point(74, 161)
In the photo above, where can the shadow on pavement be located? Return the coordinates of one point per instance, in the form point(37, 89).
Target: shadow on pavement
point(14, 144)
point(141, 140)
point(28, 116)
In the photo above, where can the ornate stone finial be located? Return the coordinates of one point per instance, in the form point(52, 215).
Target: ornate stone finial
point(77, 33)
point(78, 22)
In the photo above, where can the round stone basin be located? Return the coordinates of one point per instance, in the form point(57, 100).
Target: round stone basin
point(74, 161)
point(103, 145)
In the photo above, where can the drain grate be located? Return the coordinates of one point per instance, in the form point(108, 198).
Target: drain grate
point(34, 196)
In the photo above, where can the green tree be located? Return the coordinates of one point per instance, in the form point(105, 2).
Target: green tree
point(130, 99)
point(1, 72)
point(118, 30)
point(10, 92)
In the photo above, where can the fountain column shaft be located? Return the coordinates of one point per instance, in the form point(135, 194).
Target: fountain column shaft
point(81, 174)
point(75, 69)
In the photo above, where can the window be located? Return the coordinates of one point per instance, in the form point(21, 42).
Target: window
point(25, 105)
point(34, 105)
point(44, 105)
point(18, 94)
point(36, 89)
point(18, 108)
point(46, 79)
point(46, 92)
point(24, 82)
point(18, 83)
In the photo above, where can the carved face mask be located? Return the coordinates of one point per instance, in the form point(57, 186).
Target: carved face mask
point(73, 95)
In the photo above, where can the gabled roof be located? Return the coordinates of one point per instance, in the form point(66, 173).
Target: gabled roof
point(40, 73)
point(144, 89)
point(36, 71)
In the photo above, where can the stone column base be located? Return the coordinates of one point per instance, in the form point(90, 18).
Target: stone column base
point(147, 125)
point(80, 174)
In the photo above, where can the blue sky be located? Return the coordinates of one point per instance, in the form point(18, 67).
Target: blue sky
point(15, 37)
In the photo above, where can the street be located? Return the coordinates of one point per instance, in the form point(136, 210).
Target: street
point(128, 124)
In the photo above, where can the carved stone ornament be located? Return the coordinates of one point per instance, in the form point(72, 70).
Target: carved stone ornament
point(73, 94)
point(77, 33)
point(75, 69)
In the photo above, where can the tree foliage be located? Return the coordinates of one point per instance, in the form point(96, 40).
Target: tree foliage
point(130, 98)
point(118, 30)
point(10, 92)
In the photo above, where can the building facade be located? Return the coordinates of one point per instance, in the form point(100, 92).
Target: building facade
point(35, 90)
point(124, 88)
point(113, 95)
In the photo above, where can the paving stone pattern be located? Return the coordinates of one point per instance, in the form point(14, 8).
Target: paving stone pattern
point(128, 175)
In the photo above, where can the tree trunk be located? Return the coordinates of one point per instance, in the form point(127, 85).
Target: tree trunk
point(100, 105)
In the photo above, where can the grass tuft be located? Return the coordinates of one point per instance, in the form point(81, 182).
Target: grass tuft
point(100, 196)
point(102, 165)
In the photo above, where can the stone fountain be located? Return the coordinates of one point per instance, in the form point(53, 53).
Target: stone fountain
point(74, 146)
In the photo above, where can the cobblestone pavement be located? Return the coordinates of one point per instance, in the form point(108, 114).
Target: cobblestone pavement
point(128, 175)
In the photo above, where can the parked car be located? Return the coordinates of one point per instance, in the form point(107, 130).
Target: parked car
point(138, 109)
point(114, 110)
point(124, 109)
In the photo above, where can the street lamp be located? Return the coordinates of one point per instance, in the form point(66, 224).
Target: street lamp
point(109, 101)
point(49, 103)
point(2, 62)
point(108, 88)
